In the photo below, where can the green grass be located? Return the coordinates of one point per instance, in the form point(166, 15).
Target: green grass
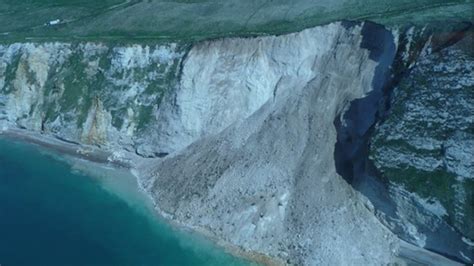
point(202, 19)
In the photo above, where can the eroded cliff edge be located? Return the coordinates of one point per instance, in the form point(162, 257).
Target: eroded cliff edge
point(244, 126)
point(268, 182)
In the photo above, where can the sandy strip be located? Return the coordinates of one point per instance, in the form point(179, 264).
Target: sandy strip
point(86, 152)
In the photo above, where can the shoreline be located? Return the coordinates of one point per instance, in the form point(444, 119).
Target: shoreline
point(86, 152)
point(251, 256)
point(93, 154)
point(407, 252)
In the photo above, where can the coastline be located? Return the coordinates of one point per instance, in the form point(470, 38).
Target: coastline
point(251, 256)
point(86, 152)
point(408, 253)
point(92, 154)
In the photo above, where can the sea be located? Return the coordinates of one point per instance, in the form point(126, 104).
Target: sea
point(56, 210)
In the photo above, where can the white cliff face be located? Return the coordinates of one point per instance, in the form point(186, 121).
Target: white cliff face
point(28, 86)
point(90, 93)
point(260, 171)
point(228, 80)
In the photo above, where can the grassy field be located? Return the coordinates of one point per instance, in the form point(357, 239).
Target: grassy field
point(199, 19)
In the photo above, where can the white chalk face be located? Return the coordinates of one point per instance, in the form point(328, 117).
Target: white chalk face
point(88, 92)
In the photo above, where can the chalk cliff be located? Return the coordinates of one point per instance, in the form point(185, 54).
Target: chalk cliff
point(262, 174)
point(238, 137)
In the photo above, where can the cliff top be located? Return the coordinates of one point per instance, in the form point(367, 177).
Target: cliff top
point(201, 19)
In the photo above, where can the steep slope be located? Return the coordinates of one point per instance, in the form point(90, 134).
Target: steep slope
point(401, 168)
point(425, 149)
point(268, 183)
point(90, 93)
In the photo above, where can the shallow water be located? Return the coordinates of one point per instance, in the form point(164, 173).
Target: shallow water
point(64, 211)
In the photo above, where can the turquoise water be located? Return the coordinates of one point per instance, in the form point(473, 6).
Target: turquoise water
point(52, 212)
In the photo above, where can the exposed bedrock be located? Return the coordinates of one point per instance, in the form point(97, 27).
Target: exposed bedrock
point(89, 93)
point(424, 150)
point(268, 183)
point(422, 214)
